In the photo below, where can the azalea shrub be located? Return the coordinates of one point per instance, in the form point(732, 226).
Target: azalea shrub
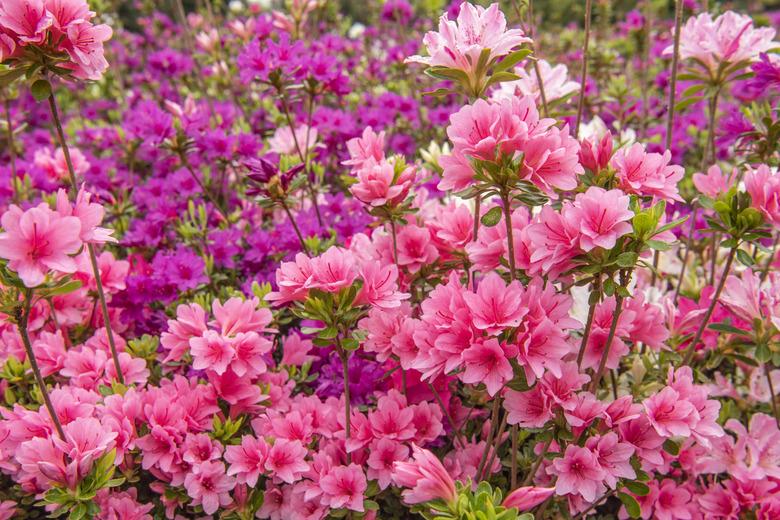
point(453, 262)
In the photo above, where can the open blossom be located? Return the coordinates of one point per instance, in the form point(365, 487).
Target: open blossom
point(425, 478)
point(377, 182)
point(209, 486)
point(729, 38)
point(459, 43)
point(555, 81)
point(55, 166)
point(89, 213)
point(486, 362)
point(647, 174)
point(38, 240)
point(714, 183)
point(579, 473)
point(287, 142)
point(604, 217)
point(763, 185)
point(496, 306)
point(343, 487)
point(369, 145)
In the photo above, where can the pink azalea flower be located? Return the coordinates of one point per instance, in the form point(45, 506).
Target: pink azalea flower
point(526, 498)
point(604, 217)
point(380, 286)
point(425, 477)
point(55, 166)
point(38, 240)
point(370, 146)
point(542, 348)
point(458, 44)
point(27, 20)
point(85, 47)
point(496, 306)
point(293, 280)
point(554, 240)
point(237, 316)
point(68, 12)
point(333, 270)
point(596, 153)
point(415, 248)
point(285, 460)
point(247, 460)
point(486, 362)
point(89, 213)
point(714, 183)
point(669, 414)
point(672, 502)
point(296, 351)
point(209, 486)
point(729, 38)
point(190, 322)
point(383, 454)
point(285, 142)
point(614, 457)
point(763, 185)
point(647, 174)
point(344, 487)
point(211, 351)
point(554, 79)
point(579, 473)
point(551, 160)
point(529, 409)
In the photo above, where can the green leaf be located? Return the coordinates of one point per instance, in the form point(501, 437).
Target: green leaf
point(500, 77)
point(10, 76)
point(745, 258)
point(671, 447)
point(637, 488)
point(492, 217)
point(632, 506)
point(41, 89)
point(627, 259)
point(512, 59)
point(730, 329)
point(658, 245)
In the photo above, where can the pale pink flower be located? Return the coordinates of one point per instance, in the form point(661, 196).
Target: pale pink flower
point(669, 414)
point(714, 183)
point(554, 240)
point(729, 38)
point(542, 347)
point(425, 478)
point(237, 316)
point(763, 185)
point(89, 213)
point(285, 142)
point(199, 448)
point(457, 172)
point(7, 507)
point(344, 487)
point(530, 409)
point(379, 185)
point(647, 174)
point(672, 501)
point(579, 473)
point(296, 351)
point(528, 497)
point(392, 420)
point(209, 486)
point(7, 47)
point(554, 79)
point(370, 146)
point(458, 44)
point(604, 217)
point(55, 166)
point(68, 12)
point(38, 240)
point(486, 362)
point(496, 306)
point(247, 460)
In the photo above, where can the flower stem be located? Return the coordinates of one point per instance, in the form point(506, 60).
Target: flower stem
point(510, 241)
point(513, 469)
point(395, 245)
point(295, 227)
point(594, 384)
point(494, 453)
point(11, 149)
point(589, 322)
point(691, 350)
point(532, 472)
point(23, 321)
point(304, 158)
point(772, 394)
point(447, 415)
point(584, 74)
point(344, 355)
point(489, 440)
point(678, 14)
point(90, 248)
point(687, 253)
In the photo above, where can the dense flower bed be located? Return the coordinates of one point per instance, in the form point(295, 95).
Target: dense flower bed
point(269, 263)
